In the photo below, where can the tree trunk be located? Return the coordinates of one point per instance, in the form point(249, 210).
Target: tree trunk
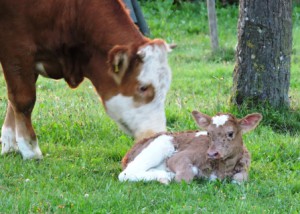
point(212, 20)
point(262, 71)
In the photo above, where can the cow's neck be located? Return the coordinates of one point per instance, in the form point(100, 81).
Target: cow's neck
point(97, 73)
point(119, 30)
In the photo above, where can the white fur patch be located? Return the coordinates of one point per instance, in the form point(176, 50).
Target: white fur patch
point(195, 170)
point(213, 177)
point(138, 119)
point(8, 139)
point(220, 120)
point(150, 163)
point(155, 69)
point(27, 150)
point(200, 133)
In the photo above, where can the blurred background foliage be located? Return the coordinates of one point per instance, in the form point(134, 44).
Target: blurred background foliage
point(218, 2)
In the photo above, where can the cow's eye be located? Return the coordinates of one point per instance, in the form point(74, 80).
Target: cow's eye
point(230, 134)
point(143, 88)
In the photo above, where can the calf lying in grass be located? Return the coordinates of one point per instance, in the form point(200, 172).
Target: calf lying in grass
point(216, 153)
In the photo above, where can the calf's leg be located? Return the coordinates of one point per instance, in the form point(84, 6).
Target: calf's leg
point(242, 167)
point(183, 168)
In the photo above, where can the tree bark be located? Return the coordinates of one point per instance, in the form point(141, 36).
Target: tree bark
point(262, 71)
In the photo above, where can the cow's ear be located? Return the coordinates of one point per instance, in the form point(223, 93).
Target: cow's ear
point(250, 122)
point(172, 46)
point(118, 60)
point(201, 119)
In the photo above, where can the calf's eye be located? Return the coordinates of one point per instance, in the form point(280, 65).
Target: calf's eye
point(230, 134)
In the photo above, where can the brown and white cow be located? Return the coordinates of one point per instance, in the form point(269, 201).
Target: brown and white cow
point(76, 39)
point(216, 153)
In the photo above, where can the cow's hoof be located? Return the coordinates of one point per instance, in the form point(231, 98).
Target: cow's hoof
point(8, 147)
point(32, 156)
point(8, 141)
point(36, 154)
point(30, 150)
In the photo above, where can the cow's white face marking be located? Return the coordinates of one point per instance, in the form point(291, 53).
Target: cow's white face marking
point(220, 120)
point(135, 118)
point(150, 163)
point(200, 133)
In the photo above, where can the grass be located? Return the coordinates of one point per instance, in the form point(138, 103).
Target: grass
point(83, 147)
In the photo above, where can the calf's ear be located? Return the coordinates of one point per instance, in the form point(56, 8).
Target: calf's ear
point(201, 119)
point(250, 122)
point(172, 46)
point(118, 59)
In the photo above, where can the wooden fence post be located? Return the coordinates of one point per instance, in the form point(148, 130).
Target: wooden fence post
point(212, 20)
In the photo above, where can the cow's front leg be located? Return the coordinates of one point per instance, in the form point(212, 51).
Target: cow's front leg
point(20, 79)
point(8, 132)
point(26, 138)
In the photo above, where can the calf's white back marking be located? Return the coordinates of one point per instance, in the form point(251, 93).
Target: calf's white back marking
point(149, 164)
point(200, 133)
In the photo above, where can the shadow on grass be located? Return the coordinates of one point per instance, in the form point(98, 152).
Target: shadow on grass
point(282, 121)
point(221, 55)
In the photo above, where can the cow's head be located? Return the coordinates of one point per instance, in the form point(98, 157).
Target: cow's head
point(225, 132)
point(143, 77)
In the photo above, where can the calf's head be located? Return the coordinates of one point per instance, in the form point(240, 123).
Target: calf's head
point(225, 132)
point(143, 77)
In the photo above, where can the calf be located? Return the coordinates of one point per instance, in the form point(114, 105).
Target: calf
point(216, 153)
point(73, 40)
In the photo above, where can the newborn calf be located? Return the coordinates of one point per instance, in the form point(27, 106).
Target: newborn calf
point(216, 153)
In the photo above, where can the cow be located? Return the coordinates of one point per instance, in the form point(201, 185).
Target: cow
point(217, 153)
point(74, 40)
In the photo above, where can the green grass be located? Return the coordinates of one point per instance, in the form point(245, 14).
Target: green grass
point(82, 147)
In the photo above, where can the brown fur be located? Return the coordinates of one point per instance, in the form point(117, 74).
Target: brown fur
point(68, 37)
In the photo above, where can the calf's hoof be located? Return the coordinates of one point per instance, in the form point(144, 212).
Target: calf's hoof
point(239, 177)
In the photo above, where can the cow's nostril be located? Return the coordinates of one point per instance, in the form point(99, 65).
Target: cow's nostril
point(213, 155)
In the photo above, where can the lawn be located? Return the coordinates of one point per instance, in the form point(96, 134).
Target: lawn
point(83, 148)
